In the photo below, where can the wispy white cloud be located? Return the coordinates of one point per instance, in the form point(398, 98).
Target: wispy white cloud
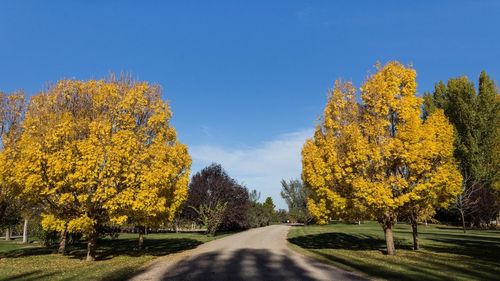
point(206, 131)
point(259, 167)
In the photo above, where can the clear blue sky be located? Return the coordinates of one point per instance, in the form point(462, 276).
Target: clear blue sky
point(246, 79)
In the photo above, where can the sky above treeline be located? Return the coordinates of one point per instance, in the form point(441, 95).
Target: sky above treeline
point(246, 80)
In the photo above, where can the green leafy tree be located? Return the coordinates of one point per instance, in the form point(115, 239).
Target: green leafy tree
point(282, 215)
point(295, 194)
point(211, 216)
point(261, 214)
point(476, 119)
point(255, 211)
point(269, 211)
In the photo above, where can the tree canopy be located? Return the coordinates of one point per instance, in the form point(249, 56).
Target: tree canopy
point(475, 117)
point(93, 152)
point(212, 186)
point(11, 115)
point(295, 194)
point(379, 157)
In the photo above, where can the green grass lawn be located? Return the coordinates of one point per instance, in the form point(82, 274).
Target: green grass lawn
point(447, 253)
point(116, 259)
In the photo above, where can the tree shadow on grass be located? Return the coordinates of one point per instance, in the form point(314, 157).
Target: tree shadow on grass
point(124, 273)
point(455, 234)
point(461, 236)
point(425, 268)
point(107, 248)
point(469, 229)
point(31, 276)
point(337, 240)
point(29, 251)
point(425, 265)
point(475, 247)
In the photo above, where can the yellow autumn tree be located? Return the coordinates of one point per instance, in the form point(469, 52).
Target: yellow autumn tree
point(430, 171)
point(330, 157)
point(102, 151)
point(11, 115)
point(379, 158)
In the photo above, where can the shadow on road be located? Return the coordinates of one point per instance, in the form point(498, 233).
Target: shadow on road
point(244, 264)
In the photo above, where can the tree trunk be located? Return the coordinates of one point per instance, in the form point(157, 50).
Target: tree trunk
point(389, 239)
point(414, 228)
point(7, 234)
point(92, 244)
point(141, 238)
point(463, 220)
point(62, 242)
point(25, 232)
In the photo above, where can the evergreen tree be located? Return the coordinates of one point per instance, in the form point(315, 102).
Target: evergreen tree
point(269, 211)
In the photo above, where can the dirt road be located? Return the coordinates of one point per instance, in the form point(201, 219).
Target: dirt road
point(256, 254)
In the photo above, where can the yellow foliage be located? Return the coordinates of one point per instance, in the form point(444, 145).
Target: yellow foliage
point(11, 112)
point(98, 151)
point(377, 158)
point(81, 224)
point(51, 223)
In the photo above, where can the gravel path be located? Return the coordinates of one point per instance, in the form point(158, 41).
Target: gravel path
point(256, 254)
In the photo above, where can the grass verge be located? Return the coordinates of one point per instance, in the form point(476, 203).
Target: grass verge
point(117, 259)
point(447, 253)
